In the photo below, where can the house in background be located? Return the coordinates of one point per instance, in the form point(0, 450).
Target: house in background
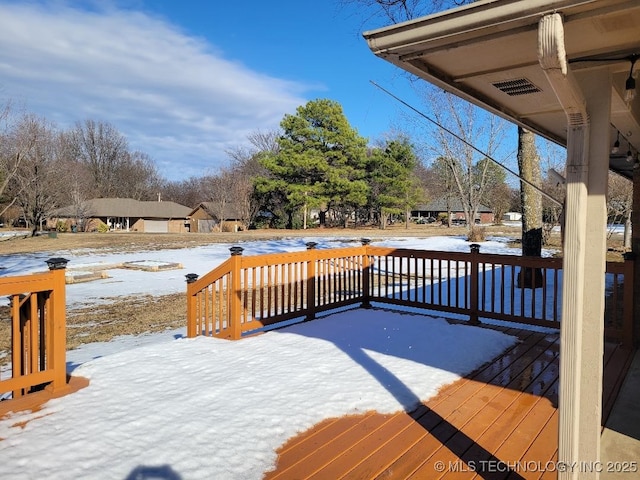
point(438, 207)
point(204, 219)
point(512, 217)
point(124, 214)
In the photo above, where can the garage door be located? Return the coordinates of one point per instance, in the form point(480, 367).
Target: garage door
point(156, 226)
point(206, 226)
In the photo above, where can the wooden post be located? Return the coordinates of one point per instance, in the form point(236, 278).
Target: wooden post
point(366, 274)
point(473, 287)
point(635, 248)
point(57, 335)
point(311, 281)
point(235, 303)
point(16, 341)
point(628, 300)
point(191, 306)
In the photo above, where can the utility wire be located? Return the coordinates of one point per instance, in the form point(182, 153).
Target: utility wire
point(426, 117)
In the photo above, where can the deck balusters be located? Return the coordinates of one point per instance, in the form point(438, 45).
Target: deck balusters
point(231, 301)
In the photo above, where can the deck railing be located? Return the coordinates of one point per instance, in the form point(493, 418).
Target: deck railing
point(249, 294)
point(38, 331)
point(618, 314)
point(244, 294)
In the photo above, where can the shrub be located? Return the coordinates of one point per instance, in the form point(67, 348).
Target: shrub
point(228, 227)
point(476, 234)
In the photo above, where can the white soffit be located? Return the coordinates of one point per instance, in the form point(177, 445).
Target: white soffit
point(486, 52)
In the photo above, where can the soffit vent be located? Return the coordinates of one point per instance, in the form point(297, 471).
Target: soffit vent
point(576, 119)
point(519, 86)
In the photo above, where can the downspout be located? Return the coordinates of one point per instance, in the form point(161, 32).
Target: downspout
point(552, 59)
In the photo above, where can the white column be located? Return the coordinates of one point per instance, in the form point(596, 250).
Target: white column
point(582, 327)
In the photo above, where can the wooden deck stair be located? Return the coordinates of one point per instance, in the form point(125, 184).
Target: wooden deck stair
point(501, 421)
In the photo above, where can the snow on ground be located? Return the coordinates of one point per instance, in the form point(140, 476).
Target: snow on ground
point(200, 260)
point(208, 408)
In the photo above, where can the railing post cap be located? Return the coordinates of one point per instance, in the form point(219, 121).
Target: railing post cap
point(311, 245)
point(236, 251)
point(191, 277)
point(475, 248)
point(57, 263)
point(365, 241)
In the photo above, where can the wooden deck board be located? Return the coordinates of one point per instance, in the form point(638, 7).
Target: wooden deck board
point(506, 411)
point(506, 430)
point(477, 440)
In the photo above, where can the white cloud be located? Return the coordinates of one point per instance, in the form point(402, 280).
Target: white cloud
point(174, 96)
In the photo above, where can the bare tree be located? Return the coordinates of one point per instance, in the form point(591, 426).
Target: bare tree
point(138, 177)
point(532, 235)
point(620, 204)
point(219, 193)
point(264, 142)
point(103, 151)
point(245, 167)
point(189, 192)
point(441, 184)
point(471, 173)
point(529, 165)
point(242, 175)
point(78, 182)
point(12, 152)
point(551, 162)
point(39, 178)
point(400, 10)
point(498, 199)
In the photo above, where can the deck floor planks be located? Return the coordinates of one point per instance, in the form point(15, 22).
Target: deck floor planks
point(507, 410)
point(389, 450)
point(487, 450)
point(324, 432)
point(516, 444)
point(488, 427)
point(327, 453)
point(543, 449)
point(297, 450)
point(459, 411)
point(350, 458)
point(461, 389)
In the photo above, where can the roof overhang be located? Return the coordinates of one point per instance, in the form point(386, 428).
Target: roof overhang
point(487, 53)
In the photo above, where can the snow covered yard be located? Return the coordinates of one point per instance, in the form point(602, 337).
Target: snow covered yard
point(208, 408)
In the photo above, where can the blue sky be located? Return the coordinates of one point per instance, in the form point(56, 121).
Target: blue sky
point(187, 80)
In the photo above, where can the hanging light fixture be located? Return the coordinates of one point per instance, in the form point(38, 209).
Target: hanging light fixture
point(629, 154)
point(616, 146)
point(630, 85)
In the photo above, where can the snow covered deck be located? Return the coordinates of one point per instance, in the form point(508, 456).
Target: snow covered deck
point(499, 422)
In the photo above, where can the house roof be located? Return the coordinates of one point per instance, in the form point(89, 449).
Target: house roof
point(231, 210)
point(440, 205)
point(126, 207)
point(486, 52)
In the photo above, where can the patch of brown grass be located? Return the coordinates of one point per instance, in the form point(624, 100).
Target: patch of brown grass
point(125, 316)
point(91, 243)
point(101, 323)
